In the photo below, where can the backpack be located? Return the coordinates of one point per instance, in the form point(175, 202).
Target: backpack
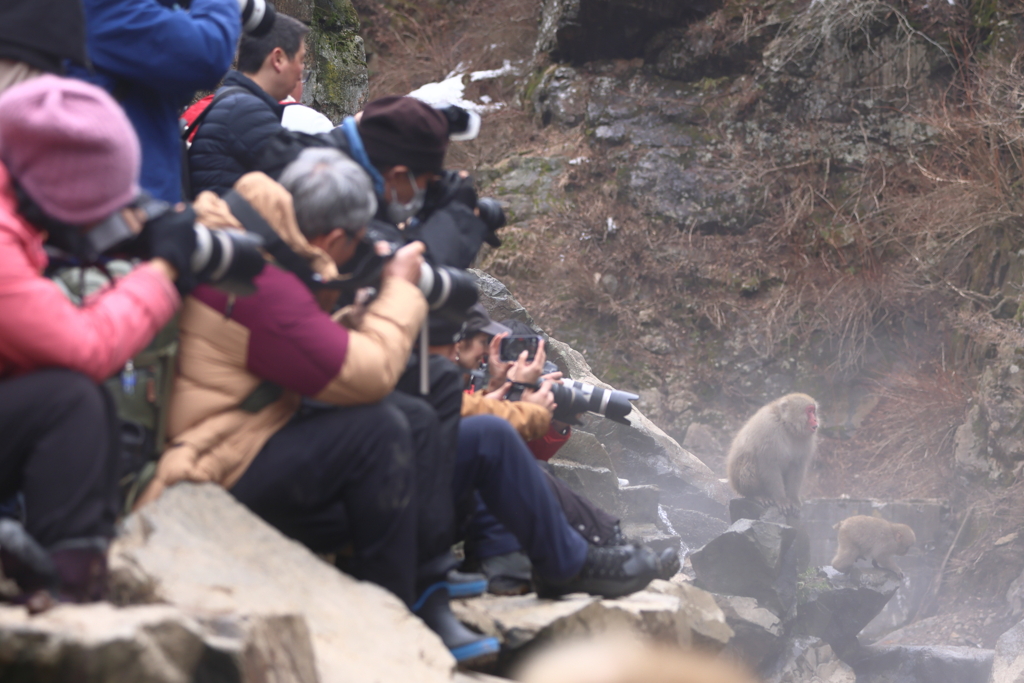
point(189, 129)
point(141, 390)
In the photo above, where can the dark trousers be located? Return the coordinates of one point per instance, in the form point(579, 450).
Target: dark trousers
point(58, 446)
point(486, 537)
point(334, 476)
point(434, 484)
point(493, 460)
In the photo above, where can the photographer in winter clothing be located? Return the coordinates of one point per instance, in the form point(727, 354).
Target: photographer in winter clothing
point(36, 36)
point(69, 160)
point(152, 56)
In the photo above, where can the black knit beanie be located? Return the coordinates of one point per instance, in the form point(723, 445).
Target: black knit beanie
point(404, 131)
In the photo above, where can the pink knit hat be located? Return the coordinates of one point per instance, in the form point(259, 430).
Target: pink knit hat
point(70, 147)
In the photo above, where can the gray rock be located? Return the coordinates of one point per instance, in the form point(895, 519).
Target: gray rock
point(970, 444)
point(499, 302)
point(703, 441)
point(583, 30)
point(836, 607)
point(598, 484)
point(758, 632)
point(560, 97)
point(1015, 596)
point(810, 659)
point(708, 626)
point(584, 448)
point(665, 613)
point(640, 503)
point(100, 643)
point(693, 527)
point(1008, 660)
point(748, 560)
point(527, 186)
point(922, 665)
point(338, 81)
point(200, 550)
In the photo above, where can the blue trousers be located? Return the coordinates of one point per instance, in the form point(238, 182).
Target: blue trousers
point(493, 461)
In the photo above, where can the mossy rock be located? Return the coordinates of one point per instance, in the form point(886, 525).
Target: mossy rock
point(339, 82)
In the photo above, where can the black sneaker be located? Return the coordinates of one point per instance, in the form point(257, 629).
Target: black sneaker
point(610, 571)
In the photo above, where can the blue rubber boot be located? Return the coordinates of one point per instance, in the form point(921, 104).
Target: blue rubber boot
point(469, 648)
point(465, 584)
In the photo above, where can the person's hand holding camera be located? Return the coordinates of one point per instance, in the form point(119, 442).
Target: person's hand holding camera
point(406, 263)
point(172, 238)
point(497, 369)
point(529, 371)
point(542, 396)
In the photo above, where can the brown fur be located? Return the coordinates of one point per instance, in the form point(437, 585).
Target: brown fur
point(872, 538)
point(768, 457)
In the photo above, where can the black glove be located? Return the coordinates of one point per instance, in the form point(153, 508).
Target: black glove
point(171, 236)
point(450, 187)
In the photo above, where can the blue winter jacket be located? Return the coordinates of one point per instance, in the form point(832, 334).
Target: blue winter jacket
point(153, 56)
point(231, 139)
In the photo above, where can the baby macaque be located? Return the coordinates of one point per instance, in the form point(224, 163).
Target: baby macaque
point(874, 538)
point(769, 456)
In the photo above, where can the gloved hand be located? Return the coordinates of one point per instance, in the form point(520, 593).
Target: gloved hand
point(171, 236)
point(453, 186)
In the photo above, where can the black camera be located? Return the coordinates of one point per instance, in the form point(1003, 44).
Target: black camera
point(257, 15)
point(449, 291)
point(573, 398)
point(493, 216)
point(512, 347)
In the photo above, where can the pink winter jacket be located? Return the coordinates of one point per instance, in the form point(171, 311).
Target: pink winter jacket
point(41, 328)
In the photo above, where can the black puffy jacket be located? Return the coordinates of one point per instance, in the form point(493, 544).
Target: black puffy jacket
point(243, 133)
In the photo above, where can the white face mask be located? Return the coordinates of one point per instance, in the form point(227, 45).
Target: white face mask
point(399, 212)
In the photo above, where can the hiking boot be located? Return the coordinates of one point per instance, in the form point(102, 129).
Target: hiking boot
point(508, 574)
point(668, 563)
point(469, 648)
point(74, 570)
point(465, 584)
point(609, 571)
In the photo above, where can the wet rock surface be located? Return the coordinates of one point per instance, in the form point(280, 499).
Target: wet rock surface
point(836, 607)
point(747, 560)
point(905, 664)
point(810, 660)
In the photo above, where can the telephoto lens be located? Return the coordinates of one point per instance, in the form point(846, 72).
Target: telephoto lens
point(491, 212)
point(449, 291)
point(227, 259)
point(257, 17)
point(614, 405)
point(568, 403)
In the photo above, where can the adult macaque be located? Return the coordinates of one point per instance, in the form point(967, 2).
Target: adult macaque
point(871, 538)
point(768, 458)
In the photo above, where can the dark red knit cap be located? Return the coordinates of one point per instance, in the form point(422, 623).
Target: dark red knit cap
point(404, 131)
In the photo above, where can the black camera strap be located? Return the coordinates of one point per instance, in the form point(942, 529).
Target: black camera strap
point(272, 242)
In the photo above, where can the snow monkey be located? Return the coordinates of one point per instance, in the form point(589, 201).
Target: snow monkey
point(768, 458)
point(873, 538)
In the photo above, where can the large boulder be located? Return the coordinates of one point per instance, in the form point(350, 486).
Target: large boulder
point(582, 30)
point(748, 559)
point(810, 660)
point(338, 79)
point(836, 607)
point(680, 615)
point(200, 550)
point(758, 632)
point(1008, 662)
point(903, 664)
point(100, 643)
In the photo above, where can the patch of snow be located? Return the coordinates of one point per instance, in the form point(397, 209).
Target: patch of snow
point(506, 68)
